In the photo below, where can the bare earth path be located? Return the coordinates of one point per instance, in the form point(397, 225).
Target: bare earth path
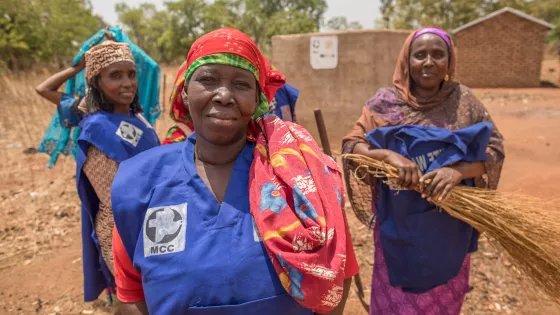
point(40, 245)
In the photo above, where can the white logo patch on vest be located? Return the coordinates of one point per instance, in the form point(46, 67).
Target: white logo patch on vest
point(165, 230)
point(129, 133)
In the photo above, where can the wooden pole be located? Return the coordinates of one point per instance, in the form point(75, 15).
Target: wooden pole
point(327, 150)
point(322, 132)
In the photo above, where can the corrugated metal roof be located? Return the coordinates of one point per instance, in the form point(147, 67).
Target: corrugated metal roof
point(503, 10)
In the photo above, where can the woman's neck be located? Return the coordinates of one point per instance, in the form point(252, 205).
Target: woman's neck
point(424, 93)
point(212, 154)
point(121, 109)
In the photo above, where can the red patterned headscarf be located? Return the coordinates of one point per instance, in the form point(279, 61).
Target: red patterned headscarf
point(295, 191)
point(224, 46)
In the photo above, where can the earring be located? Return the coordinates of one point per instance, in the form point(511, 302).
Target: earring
point(446, 78)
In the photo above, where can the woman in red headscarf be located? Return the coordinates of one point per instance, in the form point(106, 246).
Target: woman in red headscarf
point(243, 217)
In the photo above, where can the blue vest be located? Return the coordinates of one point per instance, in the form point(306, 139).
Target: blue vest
point(195, 255)
point(423, 246)
point(119, 137)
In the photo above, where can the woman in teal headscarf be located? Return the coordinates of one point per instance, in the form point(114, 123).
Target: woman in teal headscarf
point(61, 134)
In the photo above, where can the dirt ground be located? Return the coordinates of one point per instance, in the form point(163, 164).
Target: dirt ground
point(40, 245)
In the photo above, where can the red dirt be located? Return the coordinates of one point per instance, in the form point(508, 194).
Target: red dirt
point(39, 209)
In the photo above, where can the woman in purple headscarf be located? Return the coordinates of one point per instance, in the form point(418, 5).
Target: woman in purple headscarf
point(424, 94)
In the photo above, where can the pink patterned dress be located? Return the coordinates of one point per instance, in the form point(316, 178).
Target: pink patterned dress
point(386, 299)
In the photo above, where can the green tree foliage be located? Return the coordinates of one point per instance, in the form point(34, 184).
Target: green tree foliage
point(340, 23)
point(51, 31)
point(263, 19)
point(46, 31)
point(146, 26)
point(549, 10)
point(184, 27)
point(450, 14)
point(222, 13)
point(387, 10)
point(184, 21)
point(136, 18)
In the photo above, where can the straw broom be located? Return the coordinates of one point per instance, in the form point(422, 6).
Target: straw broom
point(527, 228)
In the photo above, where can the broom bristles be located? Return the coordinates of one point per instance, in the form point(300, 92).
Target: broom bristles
point(527, 228)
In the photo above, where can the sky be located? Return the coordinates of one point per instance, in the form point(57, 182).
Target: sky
point(363, 11)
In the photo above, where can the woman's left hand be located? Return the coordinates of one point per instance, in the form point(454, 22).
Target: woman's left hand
point(441, 181)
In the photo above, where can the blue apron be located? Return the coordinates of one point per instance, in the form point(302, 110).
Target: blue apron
point(119, 137)
point(425, 247)
point(195, 255)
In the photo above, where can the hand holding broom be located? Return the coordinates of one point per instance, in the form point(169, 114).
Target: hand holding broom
point(408, 172)
point(438, 183)
point(527, 228)
point(435, 184)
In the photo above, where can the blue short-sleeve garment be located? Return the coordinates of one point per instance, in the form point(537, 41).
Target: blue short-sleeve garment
point(119, 137)
point(195, 255)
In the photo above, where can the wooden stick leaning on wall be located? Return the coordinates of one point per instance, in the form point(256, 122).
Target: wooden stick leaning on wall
point(322, 132)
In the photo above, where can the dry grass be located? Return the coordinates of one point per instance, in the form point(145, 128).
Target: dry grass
point(527, 228)
point(40, 235)
point(25, 112)
point(19, 103)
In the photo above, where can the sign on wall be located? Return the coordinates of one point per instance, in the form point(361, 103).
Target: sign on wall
point(324, 52)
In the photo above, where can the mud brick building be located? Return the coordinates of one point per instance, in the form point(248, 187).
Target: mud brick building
point(366, 62)
point(502, 49)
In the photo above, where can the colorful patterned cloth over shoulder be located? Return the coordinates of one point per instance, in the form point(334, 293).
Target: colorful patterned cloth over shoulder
point(296, 195)
point(180, 113)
